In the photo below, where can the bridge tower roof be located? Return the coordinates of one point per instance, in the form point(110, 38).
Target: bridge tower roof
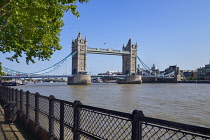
point(79, 36)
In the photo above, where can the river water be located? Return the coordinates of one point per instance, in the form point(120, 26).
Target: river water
point(185, 103)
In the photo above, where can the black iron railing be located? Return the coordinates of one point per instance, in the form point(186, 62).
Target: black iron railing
point(66, 120)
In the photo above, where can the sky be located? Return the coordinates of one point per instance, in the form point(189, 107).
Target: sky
point(168, 32)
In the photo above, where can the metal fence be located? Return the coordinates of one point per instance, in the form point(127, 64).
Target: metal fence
point(74, 121)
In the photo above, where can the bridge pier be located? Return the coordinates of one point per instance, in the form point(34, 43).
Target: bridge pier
point(79, 80)
point(132, 79)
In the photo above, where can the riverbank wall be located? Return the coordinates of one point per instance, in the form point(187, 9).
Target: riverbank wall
point(158, 80)
point(195, 81)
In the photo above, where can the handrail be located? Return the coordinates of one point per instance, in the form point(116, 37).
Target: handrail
point(93, 122)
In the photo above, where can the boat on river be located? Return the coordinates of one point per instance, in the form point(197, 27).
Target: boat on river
point(13, 83)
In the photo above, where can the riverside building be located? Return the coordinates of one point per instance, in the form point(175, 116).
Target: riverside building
point(204, 72)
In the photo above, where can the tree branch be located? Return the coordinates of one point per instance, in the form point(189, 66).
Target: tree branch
point(2, 13)
point(4, 5)
point(6, 22)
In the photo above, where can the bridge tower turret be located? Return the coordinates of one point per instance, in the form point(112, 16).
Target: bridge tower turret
point(79, 59)
point(129, 61)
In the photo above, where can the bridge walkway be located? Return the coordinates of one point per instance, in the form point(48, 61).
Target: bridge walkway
point(11, 131)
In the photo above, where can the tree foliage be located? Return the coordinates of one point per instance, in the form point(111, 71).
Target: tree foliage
point(32, 27)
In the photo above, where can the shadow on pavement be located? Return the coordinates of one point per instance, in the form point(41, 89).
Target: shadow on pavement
point(12, 131)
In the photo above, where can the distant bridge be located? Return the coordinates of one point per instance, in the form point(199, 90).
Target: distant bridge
point(65, 76)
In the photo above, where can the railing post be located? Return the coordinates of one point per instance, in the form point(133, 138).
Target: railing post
point(21, 101)
point(76, 120)
point(27, 108)
point(1, 93)
point(9, 91)
point(51, 116)
point(27, 104)
point(16, 97)
point(5, 94)
point(61, 120)
point(136, 125)
point(37, 114)
point(12, 94)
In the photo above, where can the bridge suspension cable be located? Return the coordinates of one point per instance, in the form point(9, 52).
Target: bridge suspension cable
point(143, 64)
point(55, 66)
point(12, 72)
point(145, 70)
point(47, 70)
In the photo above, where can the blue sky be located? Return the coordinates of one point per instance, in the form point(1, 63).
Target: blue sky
point(168, 32)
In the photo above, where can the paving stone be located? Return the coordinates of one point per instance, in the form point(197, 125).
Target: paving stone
point(8, 131)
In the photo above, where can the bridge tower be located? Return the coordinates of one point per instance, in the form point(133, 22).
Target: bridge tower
point(79, 63)
point(79, 59)
point(129, 62)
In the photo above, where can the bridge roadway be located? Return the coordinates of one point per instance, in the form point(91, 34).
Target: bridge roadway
point(65, 76)
point(57, 76)
point(107, 51)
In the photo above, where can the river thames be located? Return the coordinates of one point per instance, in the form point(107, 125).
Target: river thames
point(185, 103)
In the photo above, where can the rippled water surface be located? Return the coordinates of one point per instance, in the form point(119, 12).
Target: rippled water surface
point(186, 103)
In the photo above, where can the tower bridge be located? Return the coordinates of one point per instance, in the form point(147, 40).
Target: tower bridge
point(79, 45)
point(128, 53)
point(130, 72)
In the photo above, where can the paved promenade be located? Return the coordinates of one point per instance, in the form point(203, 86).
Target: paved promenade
point(9, 131)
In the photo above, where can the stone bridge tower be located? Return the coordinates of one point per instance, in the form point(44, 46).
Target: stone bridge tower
point(79, 59)
point(129, 62)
